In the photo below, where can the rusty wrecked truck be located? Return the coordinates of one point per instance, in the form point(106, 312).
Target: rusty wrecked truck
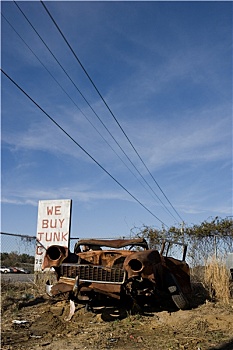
point(124, 269)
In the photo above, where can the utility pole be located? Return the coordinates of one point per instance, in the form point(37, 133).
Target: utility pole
point(182, 231)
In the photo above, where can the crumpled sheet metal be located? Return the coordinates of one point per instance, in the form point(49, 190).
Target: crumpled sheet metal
point(54, 256)
point(141, 265)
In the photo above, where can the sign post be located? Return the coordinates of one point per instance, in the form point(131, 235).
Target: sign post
point(53, 227)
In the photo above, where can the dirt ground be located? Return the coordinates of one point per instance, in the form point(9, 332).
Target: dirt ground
point(30, 320)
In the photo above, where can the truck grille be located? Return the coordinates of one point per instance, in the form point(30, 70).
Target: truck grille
point(93, 273)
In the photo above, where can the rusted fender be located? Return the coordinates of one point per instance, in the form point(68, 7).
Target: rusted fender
point(54, 256)
point(142, 264)
point(179, 269)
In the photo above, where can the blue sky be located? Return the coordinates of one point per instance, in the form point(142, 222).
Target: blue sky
point(165, 71)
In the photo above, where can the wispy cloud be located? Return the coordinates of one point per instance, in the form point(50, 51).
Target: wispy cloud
point(166, 80)
point(32, 196)
point(195, 137)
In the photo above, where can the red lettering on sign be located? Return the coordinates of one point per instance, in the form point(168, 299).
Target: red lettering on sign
point(49, 211)
point(45, 223)
point(56, 236)
point(48, 237)
point(53, 225)
point(40, 235)
point(52, 236)
point(64, 234)
point(56, 210)
point(38, 250)
point(61, 222)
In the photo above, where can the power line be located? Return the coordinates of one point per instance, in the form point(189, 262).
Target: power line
point(93, 110)
point(105, 103)
point(18, 235)
point(88, 154)
point(48, 71)
point(71, 98)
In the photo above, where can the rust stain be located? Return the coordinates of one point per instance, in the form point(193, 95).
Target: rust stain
point(118, 268)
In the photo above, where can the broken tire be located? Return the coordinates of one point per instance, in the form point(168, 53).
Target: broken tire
point(177, 296)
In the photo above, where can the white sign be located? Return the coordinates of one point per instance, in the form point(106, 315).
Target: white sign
point(53, 227)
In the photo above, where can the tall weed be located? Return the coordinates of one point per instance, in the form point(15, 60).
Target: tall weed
point(217, 280)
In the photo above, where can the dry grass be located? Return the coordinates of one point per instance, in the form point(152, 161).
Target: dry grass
point(217, 280)
point(12, 294)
